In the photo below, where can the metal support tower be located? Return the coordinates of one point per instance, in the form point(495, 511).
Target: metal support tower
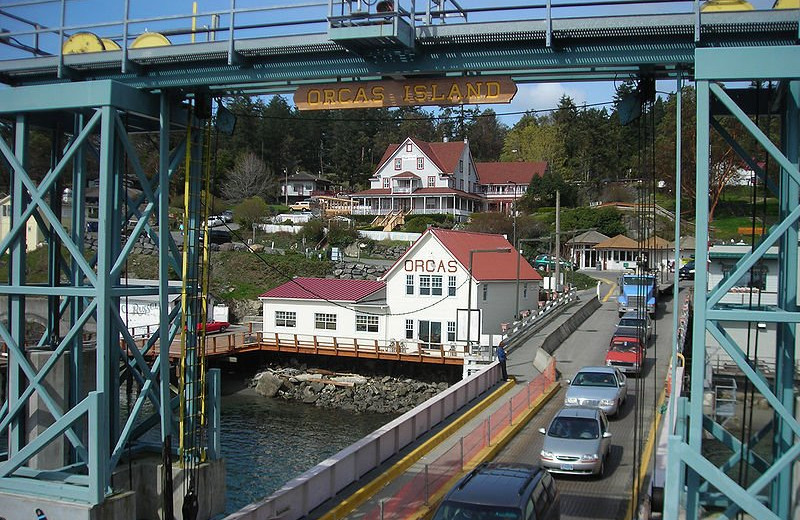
point(74, 374)
point(768, 492)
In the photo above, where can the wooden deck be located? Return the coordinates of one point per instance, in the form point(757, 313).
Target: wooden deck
point(233, 343)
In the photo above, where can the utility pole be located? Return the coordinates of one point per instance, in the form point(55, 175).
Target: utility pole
point(557, 284)
point(286, 187)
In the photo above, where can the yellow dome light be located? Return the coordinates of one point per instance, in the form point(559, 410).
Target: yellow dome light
point(726, 5)
point(150, 39)
point(82, 42)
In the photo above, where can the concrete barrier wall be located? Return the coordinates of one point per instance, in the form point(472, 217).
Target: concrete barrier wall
point(554, 340)
point(304, 493)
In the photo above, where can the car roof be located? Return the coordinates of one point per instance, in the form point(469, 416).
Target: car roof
point(577, 411)
point(496, 484)
point(598, 368)
point(633, 314)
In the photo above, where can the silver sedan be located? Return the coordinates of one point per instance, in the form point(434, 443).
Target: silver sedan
point(576, 441)
point(600, 387)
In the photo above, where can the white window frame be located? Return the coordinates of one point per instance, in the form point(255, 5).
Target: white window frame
point(386, 183)
point(366, 323)
point(285, 319)
point(398, 163)
point(424, 285)
point(436, 285)
point(451, 285)
point(420, 163)
point(409, 329)
point(451, 331)
point(409, 147)
point(410, 284)
point(431, 181)
point(326, 320)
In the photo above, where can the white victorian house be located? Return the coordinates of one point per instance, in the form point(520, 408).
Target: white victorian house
point(450, 289)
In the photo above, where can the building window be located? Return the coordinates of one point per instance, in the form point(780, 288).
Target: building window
point(430, 333)
point(409, 147)
point(431, 181)
point(461, 166)
point(436, 285)
point(420, 163)
point(461, 184)
point(285, 319)
point(385, 183)
point(325, 321)
point(425, 284)
point(366, 323)
point(409, 284)
point(451, 286)
point(409, 329)
point(525, 291)
point(451, 331)
point(398, 164)
point(485, 291)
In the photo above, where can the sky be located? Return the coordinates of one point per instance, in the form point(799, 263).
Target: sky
point(94, 13)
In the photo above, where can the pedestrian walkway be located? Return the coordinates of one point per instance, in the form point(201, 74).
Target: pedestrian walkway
point(405, 488)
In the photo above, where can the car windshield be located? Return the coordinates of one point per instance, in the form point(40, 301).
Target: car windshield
point(574, 428)
point(594, 379)
point(630, 322)
point(624, 346)
point(638, 280)
point(462, 511)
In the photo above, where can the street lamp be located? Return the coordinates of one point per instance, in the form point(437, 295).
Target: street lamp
point(514, 213)
point(469, 288)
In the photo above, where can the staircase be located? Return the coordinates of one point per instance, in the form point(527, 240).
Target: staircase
point(391, 220)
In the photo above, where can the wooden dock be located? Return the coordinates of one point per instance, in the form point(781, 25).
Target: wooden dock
point(234, 343)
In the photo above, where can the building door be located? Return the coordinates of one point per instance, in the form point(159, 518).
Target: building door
point(430, 334)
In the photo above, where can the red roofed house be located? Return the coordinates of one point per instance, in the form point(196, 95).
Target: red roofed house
point(418, 177)
point(421, 302)
point(503, 183)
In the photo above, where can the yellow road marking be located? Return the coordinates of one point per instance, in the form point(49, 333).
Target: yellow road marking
point(610, 292)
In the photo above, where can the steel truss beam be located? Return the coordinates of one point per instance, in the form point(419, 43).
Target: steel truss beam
point(770, 495)
point(90, 430)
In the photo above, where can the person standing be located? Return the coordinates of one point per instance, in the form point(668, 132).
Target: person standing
point(501, 358)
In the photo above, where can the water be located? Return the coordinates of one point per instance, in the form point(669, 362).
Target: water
point(267, 442)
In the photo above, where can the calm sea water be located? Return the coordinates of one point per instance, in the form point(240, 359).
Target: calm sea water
point(267, 442)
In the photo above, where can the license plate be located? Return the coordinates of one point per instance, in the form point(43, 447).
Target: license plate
point(566, 467)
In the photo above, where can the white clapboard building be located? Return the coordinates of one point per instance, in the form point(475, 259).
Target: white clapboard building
point(425, 301)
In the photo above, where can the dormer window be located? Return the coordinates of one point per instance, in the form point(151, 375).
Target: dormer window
point(398, 164)
point(420, 163)
point(408, 147)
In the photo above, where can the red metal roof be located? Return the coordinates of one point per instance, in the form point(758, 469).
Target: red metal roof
point(485, 266)
point(444, 155)
point(417, 192)
point(406, 175)
point(333, 289)
point(509, 172)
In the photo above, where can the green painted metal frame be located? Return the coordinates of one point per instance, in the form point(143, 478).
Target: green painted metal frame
point(91, 426)
point(770, 495)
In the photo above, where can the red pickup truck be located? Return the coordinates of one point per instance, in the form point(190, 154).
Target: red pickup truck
point(626, 353)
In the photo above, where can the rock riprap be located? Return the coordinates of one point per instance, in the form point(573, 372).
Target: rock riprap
point(324, 388)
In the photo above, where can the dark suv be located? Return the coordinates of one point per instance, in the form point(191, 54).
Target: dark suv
point(507, 491)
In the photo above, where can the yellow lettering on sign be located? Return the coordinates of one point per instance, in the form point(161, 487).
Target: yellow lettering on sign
point(374, 94)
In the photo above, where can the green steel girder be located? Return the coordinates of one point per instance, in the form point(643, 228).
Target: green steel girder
point(685, 451)
point(93, 451)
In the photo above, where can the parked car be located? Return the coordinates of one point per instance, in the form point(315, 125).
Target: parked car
point(686, 272)
point(214, 326)
point(227, 215)
point(600, 387)
point(498, 490)
point(577, 440)
point(546, 262)
point(626, 353)
point(303, 205)
point(636, 321)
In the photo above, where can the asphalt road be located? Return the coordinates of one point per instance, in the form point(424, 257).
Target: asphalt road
point(590, 497)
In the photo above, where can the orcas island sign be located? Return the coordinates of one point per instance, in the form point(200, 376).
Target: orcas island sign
point(463, 90)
